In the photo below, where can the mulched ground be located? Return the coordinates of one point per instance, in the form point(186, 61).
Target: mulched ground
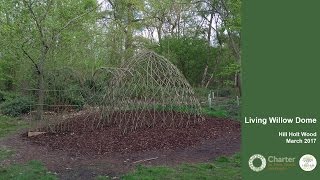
point(108, 140)
point(75, 155)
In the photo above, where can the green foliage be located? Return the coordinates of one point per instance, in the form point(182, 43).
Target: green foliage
point(222, 159)
point(223, 105)
point(89, 4)
point(75, 99)
point(190, 55)
point(81, 35)
point(93, 92)
point(68, 97)
point(233, 108)
point(201, 92)
point(5, 95)
point(214, 112)
point(16, 106)
point(65, 88)
point(224, 168)
point(227, 73)
point(9, 125)
point(224, 92)
point(7, 73)
point(226, 108)
point(234, 22)
point(31, 170)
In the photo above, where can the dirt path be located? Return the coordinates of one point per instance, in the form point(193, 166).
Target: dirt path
point(70, 165)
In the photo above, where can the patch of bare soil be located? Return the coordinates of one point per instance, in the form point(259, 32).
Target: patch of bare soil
point(84, 154)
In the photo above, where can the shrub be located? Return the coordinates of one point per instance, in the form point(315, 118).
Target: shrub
point(4, 96)
point(16, 106)
point(77, 101)
point(224, 92)
point(214, 112)
point(65, 96)
point(73, 97)
point(232, 108)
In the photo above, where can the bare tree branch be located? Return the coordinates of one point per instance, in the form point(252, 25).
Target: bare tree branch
point(30, 58)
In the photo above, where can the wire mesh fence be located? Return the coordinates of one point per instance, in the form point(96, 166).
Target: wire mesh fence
point(145, 91)
point(56, 109)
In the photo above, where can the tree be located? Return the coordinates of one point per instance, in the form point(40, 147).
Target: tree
point(38, 27)
point(188, 54)
point(123, 19)
point(39, 37)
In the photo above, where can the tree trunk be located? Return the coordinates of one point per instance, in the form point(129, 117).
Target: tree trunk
point(41, 83)
point(39, 115)
point(236, 52)
point(129, 31)
point(159, 29)
point(239, 83)
point(208, 52)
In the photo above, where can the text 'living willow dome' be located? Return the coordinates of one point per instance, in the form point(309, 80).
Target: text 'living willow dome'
point(148, 90)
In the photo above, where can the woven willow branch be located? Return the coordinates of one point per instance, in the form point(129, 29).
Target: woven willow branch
point(145, 85)
point(145, 91)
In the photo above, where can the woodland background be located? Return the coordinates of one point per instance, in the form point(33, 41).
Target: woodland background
point(62, 45)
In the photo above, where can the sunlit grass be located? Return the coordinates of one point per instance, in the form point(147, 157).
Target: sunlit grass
point(31, 170)
point(9, 125)
point(224, 168)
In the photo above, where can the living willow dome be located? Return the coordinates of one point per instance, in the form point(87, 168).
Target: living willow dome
point(148, 90)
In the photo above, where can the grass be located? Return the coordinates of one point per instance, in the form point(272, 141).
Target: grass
point(222, 106)
point(224, 109)
point(102, 178)
point(212, 112)
point(5, 153)
point(224, 168)
point(31, 170)
point(9, 125)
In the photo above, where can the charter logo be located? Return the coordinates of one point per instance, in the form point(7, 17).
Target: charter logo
point(260, 158)
point(257, 163)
